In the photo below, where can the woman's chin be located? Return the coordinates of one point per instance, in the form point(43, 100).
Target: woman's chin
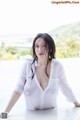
point(41, 57)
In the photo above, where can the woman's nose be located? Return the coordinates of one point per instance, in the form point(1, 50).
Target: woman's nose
point(40, 48)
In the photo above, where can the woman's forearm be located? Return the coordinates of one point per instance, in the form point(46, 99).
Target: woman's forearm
point(12, 101)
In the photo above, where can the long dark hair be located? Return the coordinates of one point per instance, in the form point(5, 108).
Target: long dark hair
point(51, 46)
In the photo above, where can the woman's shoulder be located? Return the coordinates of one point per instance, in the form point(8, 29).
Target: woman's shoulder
point(28, 61)
point(56, 62)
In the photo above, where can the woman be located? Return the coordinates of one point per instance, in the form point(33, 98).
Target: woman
point(41, 77)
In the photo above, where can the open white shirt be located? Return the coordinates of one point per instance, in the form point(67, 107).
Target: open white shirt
point(36, 97)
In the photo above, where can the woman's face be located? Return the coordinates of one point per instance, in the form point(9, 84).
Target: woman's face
point(41, 49)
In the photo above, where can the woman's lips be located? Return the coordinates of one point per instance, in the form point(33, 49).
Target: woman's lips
point(41, 54)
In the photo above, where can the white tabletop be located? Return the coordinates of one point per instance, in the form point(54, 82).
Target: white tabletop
point(50, 114)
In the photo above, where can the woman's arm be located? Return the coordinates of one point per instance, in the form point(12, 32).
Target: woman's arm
point(13, 100)
point(18, 89)
point(66, 89)
point(17, 92)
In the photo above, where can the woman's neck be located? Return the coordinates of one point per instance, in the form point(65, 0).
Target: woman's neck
point(42, 63)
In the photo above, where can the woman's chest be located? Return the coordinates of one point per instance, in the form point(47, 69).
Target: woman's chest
point(42, 77)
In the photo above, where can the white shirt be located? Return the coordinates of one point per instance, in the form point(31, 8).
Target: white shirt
point(36, 97)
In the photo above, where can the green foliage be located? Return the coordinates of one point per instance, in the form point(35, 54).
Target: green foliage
point(8, 56)
point(11, 50)
point(0, 54)
point(64, 49)
point(67, 39)
point(67, 48)
point(24, 52)
point(12, 53)
point(71, 31)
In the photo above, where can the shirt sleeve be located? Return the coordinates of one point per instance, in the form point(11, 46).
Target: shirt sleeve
point(22, 78)
point(64, 86)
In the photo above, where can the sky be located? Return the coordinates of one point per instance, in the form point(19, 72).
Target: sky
point(33, 16)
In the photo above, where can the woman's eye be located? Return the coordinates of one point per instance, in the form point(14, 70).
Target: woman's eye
point(36, 46)
point(44, 46)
